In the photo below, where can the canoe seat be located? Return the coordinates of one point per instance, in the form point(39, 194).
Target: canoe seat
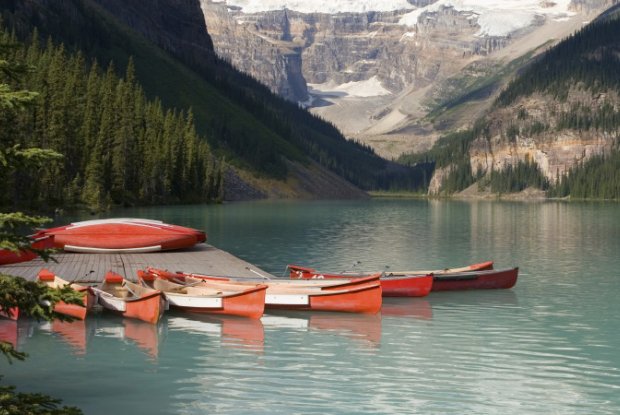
point(113, 278)
point(121, 292)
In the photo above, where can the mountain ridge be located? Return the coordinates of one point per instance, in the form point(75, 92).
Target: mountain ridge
point(413, 50)
point(556, 126)
point(255, 131)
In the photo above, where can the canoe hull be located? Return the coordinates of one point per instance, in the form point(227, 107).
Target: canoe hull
point(478, 280)
point(249, 303)
point(24, 255)
point(123, 235)
point(363, 299)
point(391, 286)
point(354, 295)
point(73, 310)
point(12, 313)
point(148, 308)
point(147, 304)
point(409, 286)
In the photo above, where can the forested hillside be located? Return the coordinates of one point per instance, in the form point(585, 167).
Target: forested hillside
point(242, 121)
point(118, 146)
point(555, 127)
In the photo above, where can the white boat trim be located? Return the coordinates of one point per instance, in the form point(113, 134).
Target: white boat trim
point(88, 249)
point(116, 220)
point(180, 300)
point(287, 299)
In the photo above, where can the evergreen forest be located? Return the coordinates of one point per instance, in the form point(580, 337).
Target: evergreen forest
point(117, 146)
point(243, 122)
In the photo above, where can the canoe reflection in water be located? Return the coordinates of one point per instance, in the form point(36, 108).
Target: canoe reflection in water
point(363, 328)
point(10, 331)
point(79, 334)
point(234, 332)
point(418, 308)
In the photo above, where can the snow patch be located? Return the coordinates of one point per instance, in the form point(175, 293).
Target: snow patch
point(496, 17)
point(407, 35)
point(320, 6)
point(361, 89)
point(498, 23)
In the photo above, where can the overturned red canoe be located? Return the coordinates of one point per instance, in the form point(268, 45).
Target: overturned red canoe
point(13, 257)
point(123, 235)
point(391, 285)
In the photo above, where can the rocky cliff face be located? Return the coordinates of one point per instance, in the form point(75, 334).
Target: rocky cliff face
point(178, 27)
point(537, 134)
point(173, 25)
point(263, 49)
point(284, 48)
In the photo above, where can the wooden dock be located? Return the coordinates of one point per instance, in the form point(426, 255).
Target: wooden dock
point(78, 267)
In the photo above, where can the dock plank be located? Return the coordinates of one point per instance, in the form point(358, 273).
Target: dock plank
point(202, 258)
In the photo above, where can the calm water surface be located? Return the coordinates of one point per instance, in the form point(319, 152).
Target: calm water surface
point(549, 345)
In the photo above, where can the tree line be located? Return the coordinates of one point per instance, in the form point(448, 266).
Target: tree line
point(241, 119)
point(588, 58)
point(118, 147)
point(597, 178)
point(586, 62)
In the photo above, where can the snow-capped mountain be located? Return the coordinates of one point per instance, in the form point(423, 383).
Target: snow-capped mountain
point(378, 68)
point(319, 6)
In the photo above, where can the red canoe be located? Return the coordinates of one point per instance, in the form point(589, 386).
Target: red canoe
point(476, 280)
point(74, 310)
point(12, 313)
point(123, 235)
point(130, 300)
point(237, 301)
point(482, 266)
point(360, 295)
point(11, 257)
point(391, 285)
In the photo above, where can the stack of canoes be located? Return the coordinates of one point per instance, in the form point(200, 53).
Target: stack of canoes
point(122, 235)
point(130, 235)
point(421, 283)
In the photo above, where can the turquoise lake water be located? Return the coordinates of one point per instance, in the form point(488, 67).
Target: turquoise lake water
point(549, 345)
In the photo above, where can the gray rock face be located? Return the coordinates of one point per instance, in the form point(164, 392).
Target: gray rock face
point(170, 24)
point(261, 47)
point(284, 48)
point(394, 80)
